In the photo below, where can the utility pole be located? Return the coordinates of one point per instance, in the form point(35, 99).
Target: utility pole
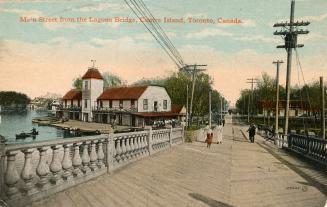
point(210, 108)
point(221, 108)
point(252, 81)
point(278, 62)
point(323, 124)
point(290, 32)
point(194, 70)
point(187, 109)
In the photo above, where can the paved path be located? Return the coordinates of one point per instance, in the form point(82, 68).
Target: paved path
point(235, 173)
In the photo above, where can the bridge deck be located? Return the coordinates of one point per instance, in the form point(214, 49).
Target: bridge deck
point(235, 173)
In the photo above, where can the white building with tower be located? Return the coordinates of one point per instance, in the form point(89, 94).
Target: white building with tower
point(128, 106)
point(92, 88)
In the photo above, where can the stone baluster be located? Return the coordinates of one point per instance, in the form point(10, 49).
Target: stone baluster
point(55, 166)
point(85, 158)
point(43, 169)
point(118, 150)
point(27, 174)
point(134, 141)
point(123, 149)
point(93, 156)
point(11, 176)
point(137, 145)
point(100, 155)
point(77, 161)
point(128, 147)
point(67, 163)
point(147, 144)
point(110, 153)
point(133, 146)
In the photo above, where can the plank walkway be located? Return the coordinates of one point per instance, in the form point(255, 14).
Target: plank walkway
point(235, 173)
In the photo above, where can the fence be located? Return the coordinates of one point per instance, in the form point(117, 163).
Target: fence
point(32, 171)
point(310, 147)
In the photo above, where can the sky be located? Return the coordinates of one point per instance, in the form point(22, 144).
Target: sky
point(40, 57)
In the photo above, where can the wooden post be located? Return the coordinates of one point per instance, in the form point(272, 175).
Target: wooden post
point(323, 124)
point(210, 108)
point(277, 100)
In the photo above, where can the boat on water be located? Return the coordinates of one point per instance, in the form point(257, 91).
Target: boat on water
point(24, 135)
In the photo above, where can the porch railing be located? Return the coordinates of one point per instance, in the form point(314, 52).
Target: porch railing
point(114, 109)
point(70, 108)
point(32, 171)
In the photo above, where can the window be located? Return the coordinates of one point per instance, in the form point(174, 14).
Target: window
point(120, 104)
point(65, 103)
point(101, 104)
point(133, 103)
point(164, 104)
point(79, 103)
point(85, 103)
point(71, 102)
point(86, 85)
point(110, 103)
point(145, 104)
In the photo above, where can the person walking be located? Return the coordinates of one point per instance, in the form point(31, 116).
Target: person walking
point(251, 131)
point(209, 137)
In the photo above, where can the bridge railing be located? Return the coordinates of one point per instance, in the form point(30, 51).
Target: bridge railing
point(310, 147)
point(32, 171)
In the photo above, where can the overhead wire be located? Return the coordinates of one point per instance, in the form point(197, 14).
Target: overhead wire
point(163, 32)
point(140, 11)
point(156, 38)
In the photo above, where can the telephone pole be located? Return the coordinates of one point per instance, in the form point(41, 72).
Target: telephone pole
point(250, 98)
point(210, 108)
point(221, 108)
point(323, 124)
point(187, 105)
point(194, 70)
point(278, 62)
point(290, 32)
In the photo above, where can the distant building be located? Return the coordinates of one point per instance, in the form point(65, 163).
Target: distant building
point(128, 106)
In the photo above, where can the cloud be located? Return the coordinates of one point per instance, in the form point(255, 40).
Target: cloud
point(318, 18)
point(212, 32)
point(23, 12)
point(248, 23)
point(100, 7)
point(209, 32)
point(257, 38)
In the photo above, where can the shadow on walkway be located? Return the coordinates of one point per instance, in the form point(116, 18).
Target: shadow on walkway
point(210, 202)
point(311, 181)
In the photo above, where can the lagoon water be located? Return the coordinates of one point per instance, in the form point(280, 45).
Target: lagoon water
point(15, 123)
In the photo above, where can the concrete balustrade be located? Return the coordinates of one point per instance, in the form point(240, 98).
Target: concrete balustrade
point(33, 171)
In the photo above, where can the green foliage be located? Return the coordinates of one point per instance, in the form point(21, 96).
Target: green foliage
point(112, 80)
point(8, 98)
point(265, 91)
point(78, 83)
point(176, 85)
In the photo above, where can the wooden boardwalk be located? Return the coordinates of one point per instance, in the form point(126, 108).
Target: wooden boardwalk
point(235, 173)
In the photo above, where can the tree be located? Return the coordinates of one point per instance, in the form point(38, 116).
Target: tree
point(109, 80)
point(112, 80)
point(8, 98)
point(78, 83)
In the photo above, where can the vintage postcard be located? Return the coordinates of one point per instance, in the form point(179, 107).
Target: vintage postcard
point(217, 103)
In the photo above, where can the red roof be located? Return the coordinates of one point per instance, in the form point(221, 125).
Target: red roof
point(122, 93)
point(92, 73)
point(176, 108)
point(73, 94)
